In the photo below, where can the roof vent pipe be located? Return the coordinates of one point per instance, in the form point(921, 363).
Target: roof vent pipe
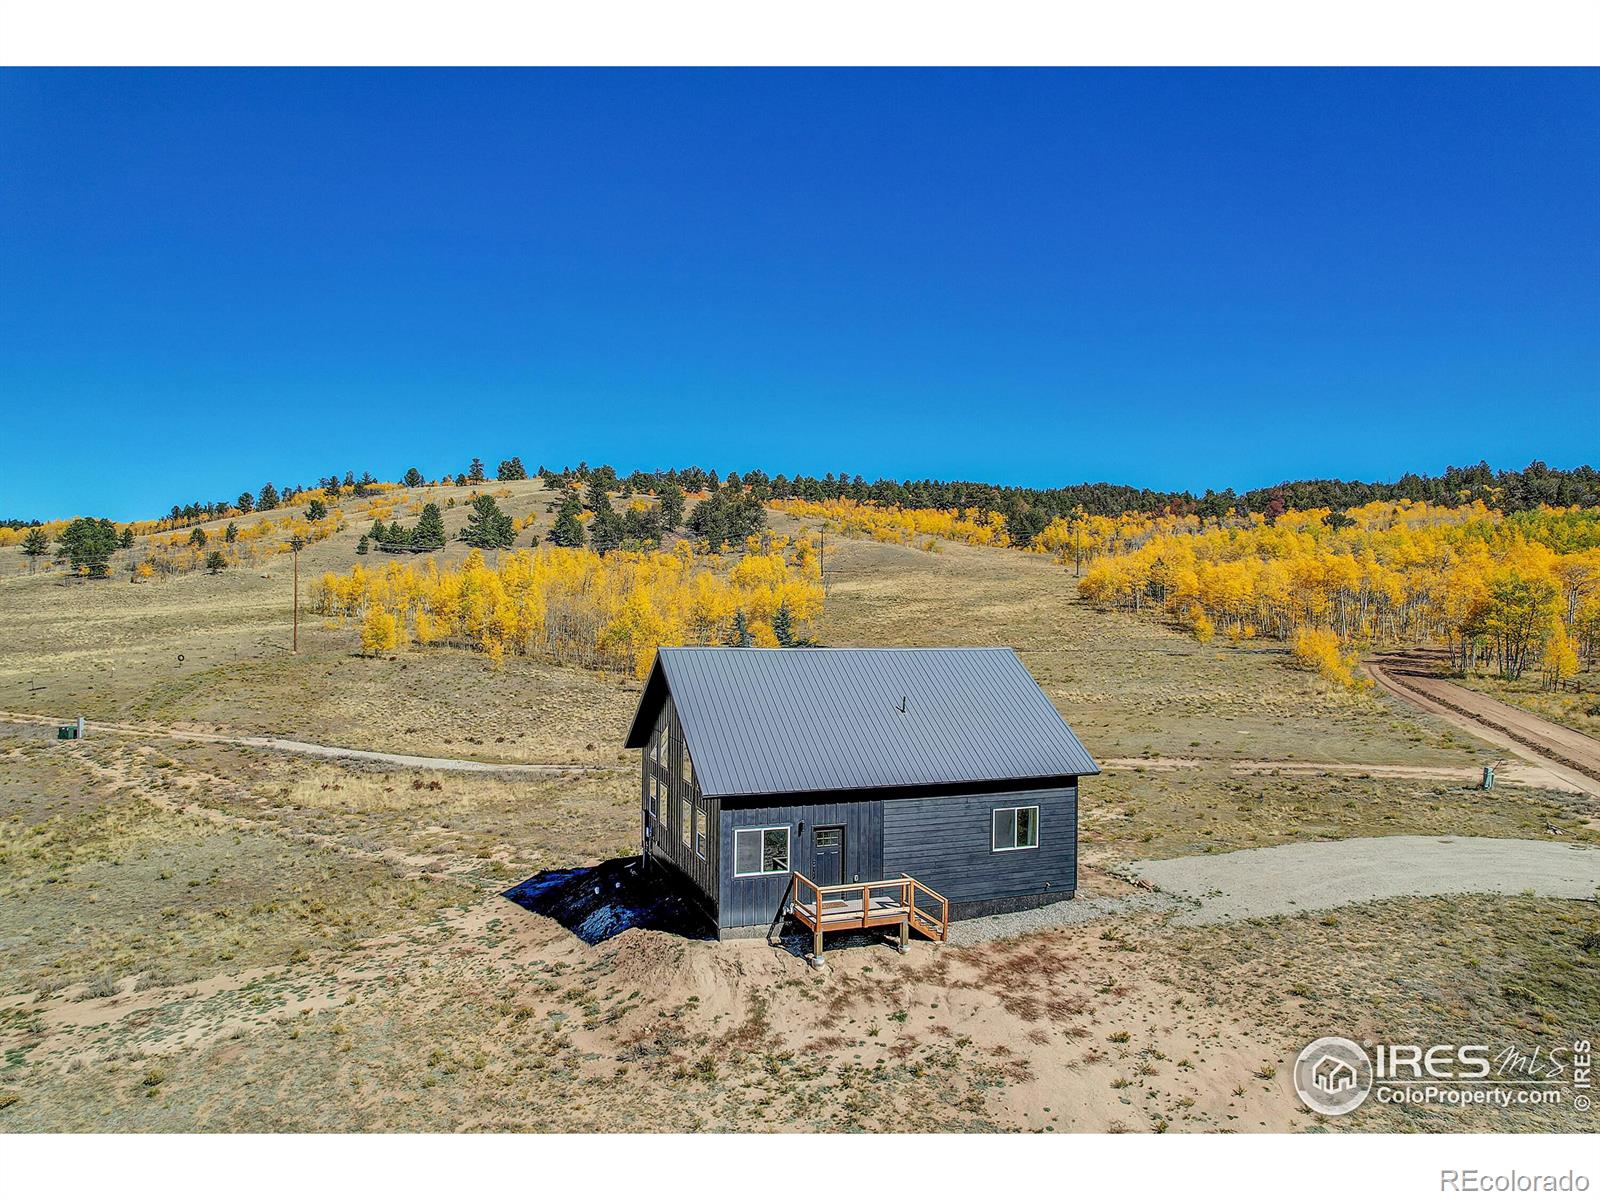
point(902, 704)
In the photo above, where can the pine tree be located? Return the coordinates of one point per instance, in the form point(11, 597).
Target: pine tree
point(727, 517)
point(568, 530)
point(475, 471)
point(267, 500)
point(362, 544)
point(87, 544)
point(429, 533)
point(670, 498)
point(641, 528)
point(35, 544)
point(511, 469)
point(231, 533)
point(487, 527)
point(783, 625)
point(216, 561)
point(379, 531)
point(316, 510)
point(606, 530)
point(198, 537)
point(741, 631)
point(245, 502)
point(413, 478)
point(126, 540)
point(461, 481)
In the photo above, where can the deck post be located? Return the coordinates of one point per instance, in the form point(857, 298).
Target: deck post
point(816, 938)
point(906, 897)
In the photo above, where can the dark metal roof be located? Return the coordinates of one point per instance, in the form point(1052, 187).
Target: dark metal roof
point(775, 721)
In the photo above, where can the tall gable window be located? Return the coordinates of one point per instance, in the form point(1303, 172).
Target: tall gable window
point(1016, 828)
point(661, 742)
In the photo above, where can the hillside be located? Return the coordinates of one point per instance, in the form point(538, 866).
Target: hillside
point(338, 927)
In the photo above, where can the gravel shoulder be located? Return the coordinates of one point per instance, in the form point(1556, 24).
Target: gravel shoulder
point(1314, 876)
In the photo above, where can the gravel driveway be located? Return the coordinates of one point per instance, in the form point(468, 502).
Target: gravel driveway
point(1310, 876)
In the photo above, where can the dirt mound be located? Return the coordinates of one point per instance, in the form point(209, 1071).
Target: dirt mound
point(654, 963)
point(718, 981)
point(598, 903)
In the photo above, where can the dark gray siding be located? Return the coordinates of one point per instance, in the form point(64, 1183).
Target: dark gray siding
point(677, 800)
point(755, 900)
point(945, 843)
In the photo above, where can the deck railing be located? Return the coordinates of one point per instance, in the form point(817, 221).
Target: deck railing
point(906, 902)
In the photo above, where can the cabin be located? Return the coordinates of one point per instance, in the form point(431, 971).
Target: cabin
point(855, 788)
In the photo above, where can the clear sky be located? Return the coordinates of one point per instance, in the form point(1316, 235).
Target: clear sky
point(209, 279)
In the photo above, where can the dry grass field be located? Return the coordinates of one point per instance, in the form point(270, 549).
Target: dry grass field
point(211, 937)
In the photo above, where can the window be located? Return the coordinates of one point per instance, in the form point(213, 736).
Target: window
point(1016, 828)
point(661, 742)
point(761, 851)
point(700, 829)
point(656, 792)
point(685, 812)
point(688, 767)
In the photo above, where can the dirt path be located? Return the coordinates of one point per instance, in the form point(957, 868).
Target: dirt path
point(313, 749)
point(1517, 774)
point(1312, 876)
point(1414, 676)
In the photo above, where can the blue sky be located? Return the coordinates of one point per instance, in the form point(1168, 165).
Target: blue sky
point(1177, 279)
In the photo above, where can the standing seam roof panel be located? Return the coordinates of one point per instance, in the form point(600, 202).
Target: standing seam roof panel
point(804, 720)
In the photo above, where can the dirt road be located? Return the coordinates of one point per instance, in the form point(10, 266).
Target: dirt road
point(1515, 774)
point(1312, 876)
point(1416, 677)
point(312, 749)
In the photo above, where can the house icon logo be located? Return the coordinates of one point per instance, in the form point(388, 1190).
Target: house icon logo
point(1332, 1076)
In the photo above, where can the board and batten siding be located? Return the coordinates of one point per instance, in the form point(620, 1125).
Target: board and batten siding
point(755, 900)
point(946, 843)
point(677, 797)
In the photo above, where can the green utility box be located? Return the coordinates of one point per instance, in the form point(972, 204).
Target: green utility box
point(66, 732)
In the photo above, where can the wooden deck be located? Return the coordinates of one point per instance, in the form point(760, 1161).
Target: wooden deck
point(902, 902)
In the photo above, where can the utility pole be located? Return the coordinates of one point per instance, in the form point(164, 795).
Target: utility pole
point(295, 544)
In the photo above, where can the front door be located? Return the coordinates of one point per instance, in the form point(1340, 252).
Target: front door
point(827, 855)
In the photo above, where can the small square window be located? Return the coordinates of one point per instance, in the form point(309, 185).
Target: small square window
point(1016, 828)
